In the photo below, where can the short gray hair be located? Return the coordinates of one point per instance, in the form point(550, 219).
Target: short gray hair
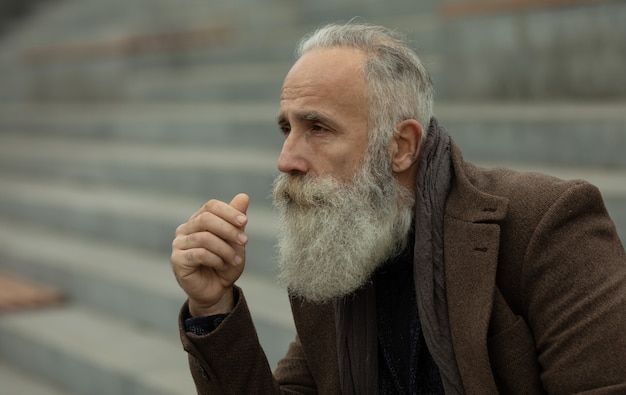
point(399, 85)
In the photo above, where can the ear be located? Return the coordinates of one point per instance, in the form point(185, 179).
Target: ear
point(405, 145)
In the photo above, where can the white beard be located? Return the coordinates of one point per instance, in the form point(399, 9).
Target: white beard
point(333, 236)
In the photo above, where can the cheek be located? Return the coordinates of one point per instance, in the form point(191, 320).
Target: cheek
point(342, 157)
point(347, 164)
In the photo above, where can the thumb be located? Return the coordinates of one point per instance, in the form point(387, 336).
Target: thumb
point(241, 202)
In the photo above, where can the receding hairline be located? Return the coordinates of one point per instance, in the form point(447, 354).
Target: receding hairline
point(398, 84)
point(355, 34)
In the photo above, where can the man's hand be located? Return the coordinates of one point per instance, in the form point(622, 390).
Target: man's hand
point(208, 255)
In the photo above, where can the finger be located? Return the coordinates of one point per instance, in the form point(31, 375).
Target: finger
point(220, 210)
point(208, 241)
point(206, 207)
point(209, 222)
point(186, 263)
point(241, 202)
point(226, 211)
point(203, 281)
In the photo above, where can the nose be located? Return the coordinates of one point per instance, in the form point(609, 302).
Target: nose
point(292, 158)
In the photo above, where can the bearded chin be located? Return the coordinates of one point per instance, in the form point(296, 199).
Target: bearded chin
point(333, 236)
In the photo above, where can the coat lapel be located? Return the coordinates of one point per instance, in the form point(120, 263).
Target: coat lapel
point(471, 247)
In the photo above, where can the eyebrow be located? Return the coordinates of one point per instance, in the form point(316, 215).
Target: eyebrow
point(310, 116)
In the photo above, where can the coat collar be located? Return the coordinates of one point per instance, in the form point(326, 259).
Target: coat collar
point(466, 201)
point(471, 247)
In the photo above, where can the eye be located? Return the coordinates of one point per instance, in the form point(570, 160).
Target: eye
point(284, 129)
point(318, 128)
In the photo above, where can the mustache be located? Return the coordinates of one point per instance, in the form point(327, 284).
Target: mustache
point(304, 190)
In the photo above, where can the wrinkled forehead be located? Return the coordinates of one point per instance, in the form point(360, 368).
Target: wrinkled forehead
point(332, 66)
point(326, 81)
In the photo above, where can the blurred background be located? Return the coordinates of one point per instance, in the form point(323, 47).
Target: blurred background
point(118, 119)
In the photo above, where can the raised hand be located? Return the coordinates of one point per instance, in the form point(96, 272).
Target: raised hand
point(208, 255)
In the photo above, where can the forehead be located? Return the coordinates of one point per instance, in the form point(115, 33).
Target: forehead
point(329, 77)
point(335, 64)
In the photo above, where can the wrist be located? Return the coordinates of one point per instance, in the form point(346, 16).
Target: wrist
point(224, 306)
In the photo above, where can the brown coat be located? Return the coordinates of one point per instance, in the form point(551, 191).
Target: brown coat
point(536, 286)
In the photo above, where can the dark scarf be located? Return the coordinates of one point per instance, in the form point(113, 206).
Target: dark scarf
point(404, 364)
point(355, 315)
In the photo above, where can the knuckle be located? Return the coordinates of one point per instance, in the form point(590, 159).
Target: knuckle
point(199, 256)
point(175, 259)
point(190, 256)
point(176, 243)
point(204, 217)
point(179, 229)
point(211, 205)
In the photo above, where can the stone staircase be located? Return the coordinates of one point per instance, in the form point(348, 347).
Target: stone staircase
point(119, 119)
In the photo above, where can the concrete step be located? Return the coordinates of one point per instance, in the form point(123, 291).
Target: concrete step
point(131, 284)
point(116, 78)
point(140, 220)
point(148, 219)
point(18, 381)
point(103, 60)
point(230, 82)
point(203, 173)
point(92, 353)
point(371, 11)
point(174, 123)
point(534, 51)
point(197, 172)
point(560, 133)
point(563, 133)
point(91, 22)
point(87, 20)
point(248, 81)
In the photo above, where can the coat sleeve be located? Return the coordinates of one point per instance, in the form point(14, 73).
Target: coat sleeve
point(574, 290)
point(230, 360)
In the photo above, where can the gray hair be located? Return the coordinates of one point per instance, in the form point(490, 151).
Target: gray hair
point(399, 85)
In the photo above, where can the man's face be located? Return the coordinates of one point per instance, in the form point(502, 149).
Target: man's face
point(341, 210)
point(324, 115)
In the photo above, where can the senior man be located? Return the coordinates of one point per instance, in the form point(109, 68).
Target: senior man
point(409, 270)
